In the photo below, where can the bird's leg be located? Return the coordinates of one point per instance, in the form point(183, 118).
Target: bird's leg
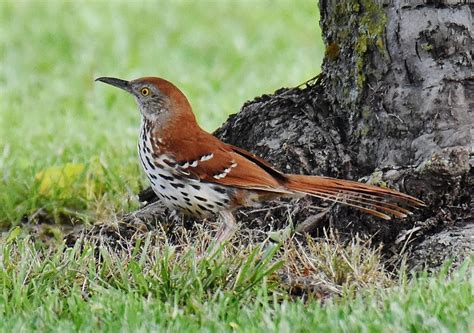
point(225, 232)
point(227, 229)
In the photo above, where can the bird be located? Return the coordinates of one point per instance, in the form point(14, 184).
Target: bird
point(193, 172)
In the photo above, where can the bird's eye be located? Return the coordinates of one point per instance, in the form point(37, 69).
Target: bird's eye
point(145, 91)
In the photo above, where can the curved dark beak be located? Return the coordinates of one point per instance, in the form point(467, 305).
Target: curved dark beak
point(122, 84)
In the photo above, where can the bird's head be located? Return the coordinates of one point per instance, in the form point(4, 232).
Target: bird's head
point(159, 100)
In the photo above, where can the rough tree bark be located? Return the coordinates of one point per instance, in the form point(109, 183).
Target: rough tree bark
point(393, 106)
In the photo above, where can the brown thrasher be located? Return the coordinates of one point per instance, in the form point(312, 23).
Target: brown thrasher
point(194, 172)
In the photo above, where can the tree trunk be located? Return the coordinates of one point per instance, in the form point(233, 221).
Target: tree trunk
point(393, 106)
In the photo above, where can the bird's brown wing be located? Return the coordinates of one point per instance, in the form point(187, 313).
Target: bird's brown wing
point(210, 160)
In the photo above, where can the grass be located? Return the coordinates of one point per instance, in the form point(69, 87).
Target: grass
point(149, 285)
point(68, 156)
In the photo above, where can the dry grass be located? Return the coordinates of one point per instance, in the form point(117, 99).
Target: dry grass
point(334, 267)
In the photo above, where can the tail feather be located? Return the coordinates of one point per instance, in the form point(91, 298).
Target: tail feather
point(381, 202)
point(369, 199)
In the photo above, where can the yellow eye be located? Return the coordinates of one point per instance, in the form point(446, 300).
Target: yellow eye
point(145, 91)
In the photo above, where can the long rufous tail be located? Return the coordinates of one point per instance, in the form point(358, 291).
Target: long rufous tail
point(378, 201)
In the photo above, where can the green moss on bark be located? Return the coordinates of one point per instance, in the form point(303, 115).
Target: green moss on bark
point(360, 30)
